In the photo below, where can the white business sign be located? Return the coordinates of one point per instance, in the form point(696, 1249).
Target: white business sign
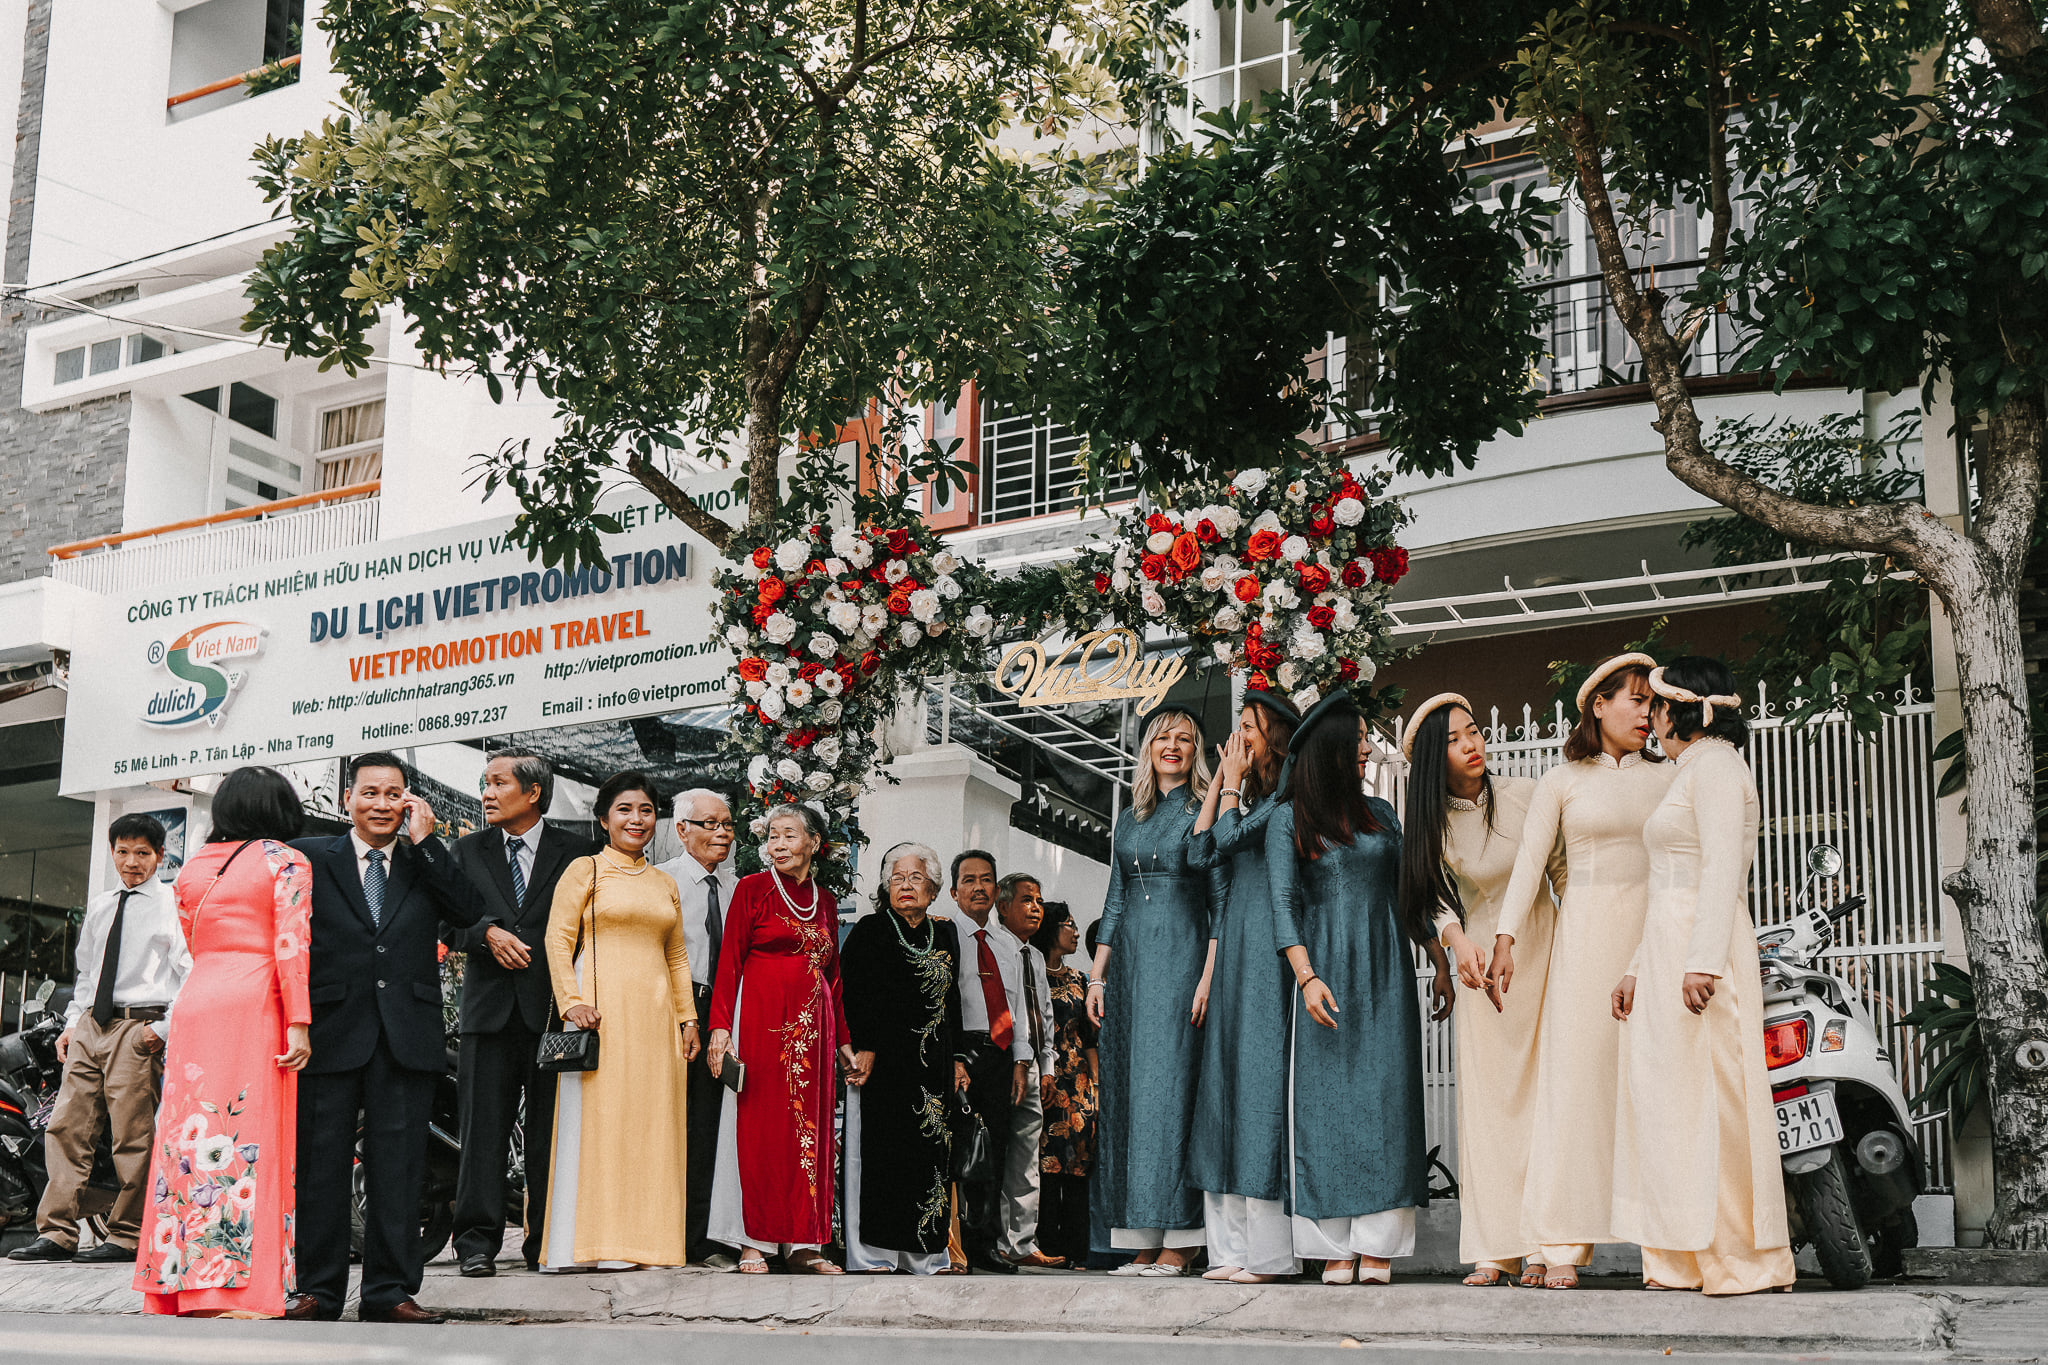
point(444, 636)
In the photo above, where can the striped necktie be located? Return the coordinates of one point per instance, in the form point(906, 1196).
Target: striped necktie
point(373, 885)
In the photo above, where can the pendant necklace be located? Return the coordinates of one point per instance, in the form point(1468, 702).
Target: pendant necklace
point(806, 914)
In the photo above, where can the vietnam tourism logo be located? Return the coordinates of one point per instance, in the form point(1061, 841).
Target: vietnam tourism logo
point(202, 690)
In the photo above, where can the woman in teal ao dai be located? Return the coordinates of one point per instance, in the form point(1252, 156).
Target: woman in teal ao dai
point(1358, 1157)
point(1148, 993)
point(1237, 1157)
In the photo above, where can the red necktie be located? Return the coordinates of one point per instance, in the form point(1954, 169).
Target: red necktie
point(994, 999)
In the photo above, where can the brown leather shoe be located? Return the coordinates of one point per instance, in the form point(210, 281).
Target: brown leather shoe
point(306, 1308)
point(1038, 1260)
point(405, 1310)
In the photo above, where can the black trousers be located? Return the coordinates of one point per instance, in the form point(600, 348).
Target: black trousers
point(707, 1104)
point(494, 1072)
point(395, 1104)
point(1063, 1217)
point(990, 1073)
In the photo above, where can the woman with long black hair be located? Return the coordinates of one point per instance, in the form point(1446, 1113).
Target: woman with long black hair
point(1358, 1159)
point(1459, 842)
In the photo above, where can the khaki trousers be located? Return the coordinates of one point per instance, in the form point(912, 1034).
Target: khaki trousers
point(108, 1079)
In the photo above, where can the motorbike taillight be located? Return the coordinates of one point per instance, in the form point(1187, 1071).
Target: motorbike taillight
point(1785, 1042)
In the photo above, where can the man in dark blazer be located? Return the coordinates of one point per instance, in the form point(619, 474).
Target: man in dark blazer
point(506, 1002)
point(380, 895)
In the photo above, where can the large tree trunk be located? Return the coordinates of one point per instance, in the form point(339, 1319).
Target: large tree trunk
point(1977, 578)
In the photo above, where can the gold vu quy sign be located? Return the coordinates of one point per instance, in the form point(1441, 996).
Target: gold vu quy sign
point(1101, 666)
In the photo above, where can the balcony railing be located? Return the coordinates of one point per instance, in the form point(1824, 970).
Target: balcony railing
point(332, 519)
point(1588, 348)
point(268, 76)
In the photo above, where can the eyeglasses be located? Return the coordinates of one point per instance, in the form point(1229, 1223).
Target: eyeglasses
point(909, 879)
point(725, 825)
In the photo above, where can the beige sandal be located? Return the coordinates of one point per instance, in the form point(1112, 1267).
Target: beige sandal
point(1551, 1280)
point(813, 1263)
point(1487, 1276)
point(752, 1263)
point(1532, 1275)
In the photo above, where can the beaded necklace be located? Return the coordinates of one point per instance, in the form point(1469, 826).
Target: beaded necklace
point(804, 913)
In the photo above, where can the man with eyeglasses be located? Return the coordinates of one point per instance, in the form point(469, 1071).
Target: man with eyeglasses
point(703, 876)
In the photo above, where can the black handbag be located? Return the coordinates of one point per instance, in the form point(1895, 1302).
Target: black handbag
point(575, 1049)
point(974, 1158)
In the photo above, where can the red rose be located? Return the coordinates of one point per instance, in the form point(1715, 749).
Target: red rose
point(852, 585)
point(899, 600)
point(814, 567)
point(762, 611)
point(880, 573)
point(1321, 522)
point(810, 670)
point(1153, 567)
point(1354, 574)
point(1314, 578)
point(800, 739)
point(1206, 532)
point(1186, 554)
point(1246, 589)
point(753, 670)
point(763, 555)
point(1263, 545)
point(772, 589)
point(1258, 681)
point(1263, 655)
point(1102, 583)
point(1322, 617)
point(1347, 669)
point(1159, 521)
point(869, 662)
point(899, 540)
point(847, 673)
point(1390, 565)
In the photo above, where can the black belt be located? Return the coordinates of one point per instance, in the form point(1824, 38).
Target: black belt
point(148, 1014)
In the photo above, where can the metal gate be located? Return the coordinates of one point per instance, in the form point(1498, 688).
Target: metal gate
point(1873, 798)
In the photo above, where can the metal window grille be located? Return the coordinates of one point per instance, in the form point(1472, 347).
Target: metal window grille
point(1031, 465)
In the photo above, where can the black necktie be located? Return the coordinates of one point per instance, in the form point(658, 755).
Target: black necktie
point(110, 966)
point(1031, 1007)
point(714, 926)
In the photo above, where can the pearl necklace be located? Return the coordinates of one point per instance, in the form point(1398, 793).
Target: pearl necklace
point(801, 912)
point(612, 858)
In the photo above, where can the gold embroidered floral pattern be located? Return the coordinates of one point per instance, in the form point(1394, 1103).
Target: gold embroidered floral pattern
point(800, 1041)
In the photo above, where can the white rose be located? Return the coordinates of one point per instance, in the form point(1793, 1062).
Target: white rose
point(1224, 653)
point(823, 645)
point(1346, 616)
point(945, 561)
point(791, 555)
point(909, 633)
point(895, 571)
point(845, 542)
point(1122, 558)
point(1214, 579)
point(836, 567)
point(1289, 675)
point(758, 769)
point(1152, 602)
point(798, 692)
point(979, 623)
point(1268, 520)
point(1294, 549)
point(1229, 565)
point(1227, 519)
point(1120, 581)
point(771, 704)
point(1250, 482)
point(736, 636)
point(843, 617)
point(1308, 644)
point(829, 749)
point(780, 628)
point(758, 826)
point(861, 555)
point(1297, 491)
point(819, 781)
point(1307, 697)
point(1159, 542)
point(777, 674)
point(1348, 511)
point(924, 605)
point(755, 689)
point(831, 711)
point(829, 683)
point(1280, 593)
point(1229, 620)
point(789, 770)
point(874, 619)
point(750, 570)
point(1366, 565)
point(949, 587)
point(1366, 669)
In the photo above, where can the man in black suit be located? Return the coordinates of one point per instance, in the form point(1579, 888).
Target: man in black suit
point(379, 900)
point(506, 1001)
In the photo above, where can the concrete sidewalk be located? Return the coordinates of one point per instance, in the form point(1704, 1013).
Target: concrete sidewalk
point(1989, 1324)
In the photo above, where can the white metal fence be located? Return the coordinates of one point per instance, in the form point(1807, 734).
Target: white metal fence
point(1873, 798)
point(176, 556)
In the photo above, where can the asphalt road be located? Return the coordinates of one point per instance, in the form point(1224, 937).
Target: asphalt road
point(63, 1340)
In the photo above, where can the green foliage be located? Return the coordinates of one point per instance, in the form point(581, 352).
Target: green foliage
point(1198, 297)
point(1946, 1021)
point(686, 217)
point(1852, 644)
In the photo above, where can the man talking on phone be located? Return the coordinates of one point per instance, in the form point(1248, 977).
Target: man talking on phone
point(381, 893)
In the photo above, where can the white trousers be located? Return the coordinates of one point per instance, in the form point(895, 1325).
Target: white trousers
point(1020, 1171)
point(1156, 1239)
point(859, 1255)
point(1385, 1235)
point(1251, 1234)
point(558, 1252)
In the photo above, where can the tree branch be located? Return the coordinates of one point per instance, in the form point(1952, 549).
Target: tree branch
point(671, 496)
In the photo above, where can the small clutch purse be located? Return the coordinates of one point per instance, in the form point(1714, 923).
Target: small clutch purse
point(575, 1049)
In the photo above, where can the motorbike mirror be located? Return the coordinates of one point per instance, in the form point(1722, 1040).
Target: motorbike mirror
point(1824, 860)
point(45, 991)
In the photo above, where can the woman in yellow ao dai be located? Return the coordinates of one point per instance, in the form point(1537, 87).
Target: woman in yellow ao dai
point(1597, 802)
point(1696, 1173)
point(1462, 832)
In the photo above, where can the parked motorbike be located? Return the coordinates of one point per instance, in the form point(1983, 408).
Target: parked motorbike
point(29, 1076)
point(1846, 1136)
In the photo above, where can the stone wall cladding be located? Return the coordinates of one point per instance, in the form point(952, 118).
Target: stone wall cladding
point(63, 474)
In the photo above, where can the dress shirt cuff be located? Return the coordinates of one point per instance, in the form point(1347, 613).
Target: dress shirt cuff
point(162, 1028)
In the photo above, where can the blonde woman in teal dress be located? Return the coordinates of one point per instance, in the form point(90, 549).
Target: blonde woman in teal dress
point(1149, 993)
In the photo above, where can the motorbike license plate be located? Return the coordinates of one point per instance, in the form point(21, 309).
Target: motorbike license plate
point(1807, 1121)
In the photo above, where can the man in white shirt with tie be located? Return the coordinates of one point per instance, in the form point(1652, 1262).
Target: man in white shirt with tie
point(995, 1059)
point(704, 879)
point(131, 962)
point(1020, 909)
